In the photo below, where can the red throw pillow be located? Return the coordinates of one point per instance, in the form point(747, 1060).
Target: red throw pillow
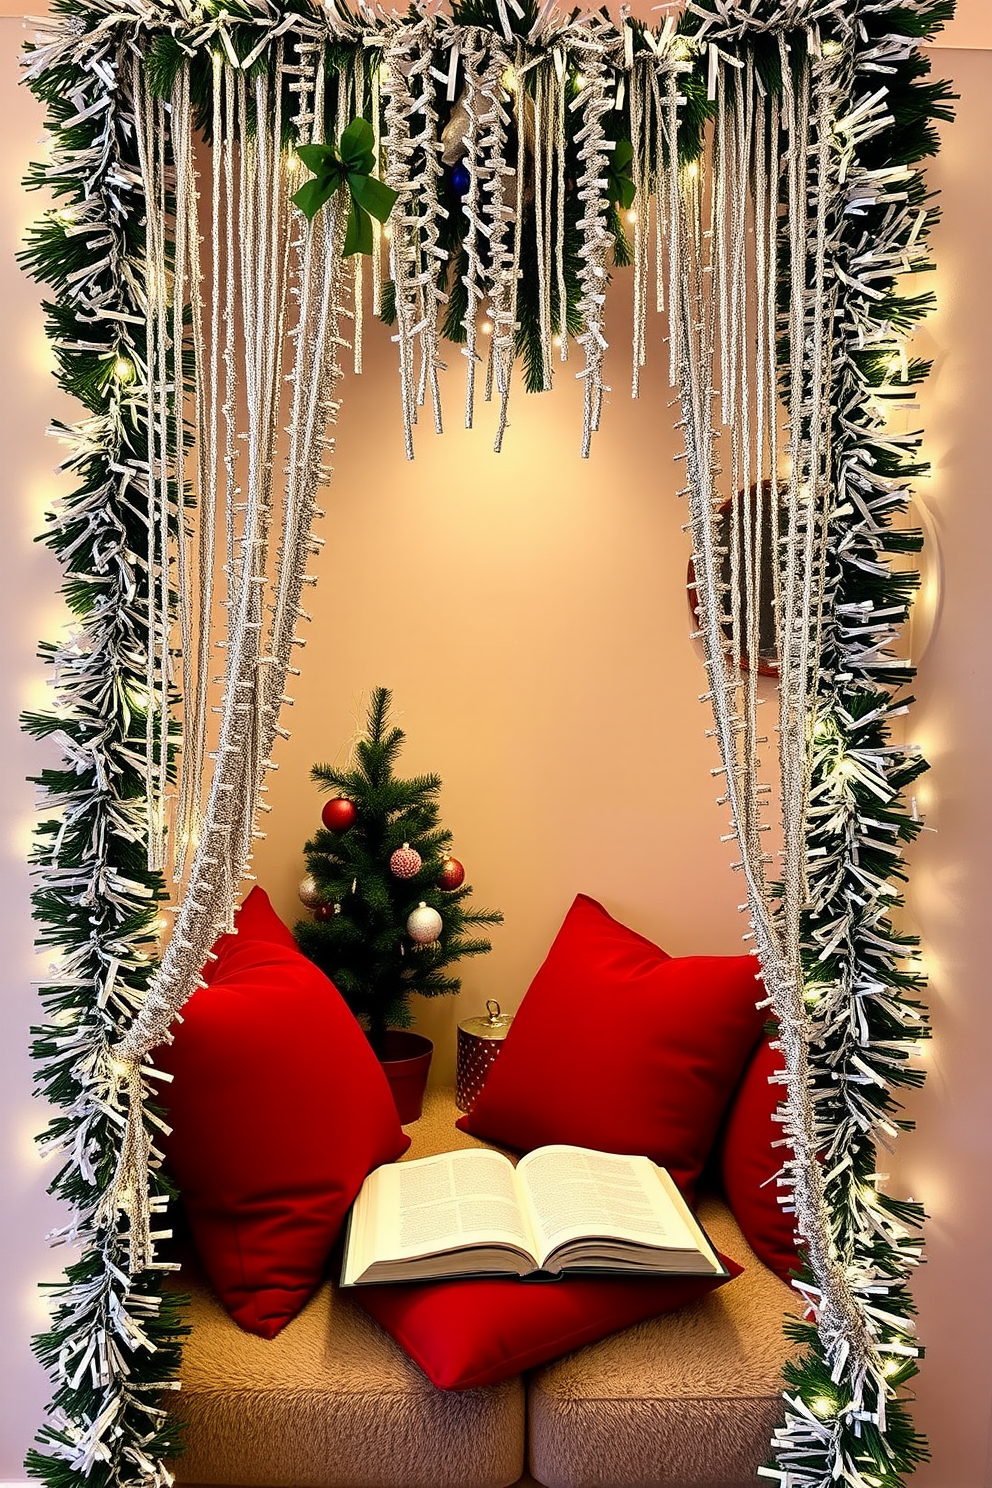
point(279, 1110)
point(478, 1332)
point(749, 1163)
point(623, 1048)
point(255, 920)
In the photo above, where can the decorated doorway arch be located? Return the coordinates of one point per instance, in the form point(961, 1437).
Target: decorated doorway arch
point(767, 154)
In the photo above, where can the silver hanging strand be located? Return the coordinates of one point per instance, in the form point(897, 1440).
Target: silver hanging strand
point(429, 212)
point(154, 300)
point(375, 106)
point(558, 103)
point(639, 133)
point(720, 226)
point(229, 407)
point(523, 108)
point(399, 149)
point(357, 80)
point(655, 130)
point(594, 149)
point(181, 172)
point(254, 682)
point(842, 1322)
point(497, 217)
point(167, 411)
point(472, 49)
point(194, 561)
point(667, 145)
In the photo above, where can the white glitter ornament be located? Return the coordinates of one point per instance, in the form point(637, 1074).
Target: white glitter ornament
point(309, 893)
point(405, 862)
point(424, 925)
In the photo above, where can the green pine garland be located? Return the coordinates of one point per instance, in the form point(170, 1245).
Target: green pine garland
point(862, 997)
point(114, 1343)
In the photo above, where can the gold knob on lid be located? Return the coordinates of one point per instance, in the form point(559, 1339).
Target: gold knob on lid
point(492, 1008)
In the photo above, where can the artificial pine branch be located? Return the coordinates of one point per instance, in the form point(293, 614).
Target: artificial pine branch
point(96, 899)
point(364, 947)
point(866, 1014)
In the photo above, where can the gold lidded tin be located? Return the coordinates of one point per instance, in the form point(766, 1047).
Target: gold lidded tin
point(479, 1043)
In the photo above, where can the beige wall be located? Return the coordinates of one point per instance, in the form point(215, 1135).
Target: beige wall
point(529, 613)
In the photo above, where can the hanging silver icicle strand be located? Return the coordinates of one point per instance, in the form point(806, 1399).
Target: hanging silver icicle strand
point(427, 212)
point(195, 558)
point(256, 672)
point(846, 1337)
point(403, 243)
point(640, 104)
point(498, 214)
point(149, 119)
point(473, 56)
point(593, 99)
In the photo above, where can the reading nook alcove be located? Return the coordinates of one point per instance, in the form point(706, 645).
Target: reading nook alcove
point(237, 194)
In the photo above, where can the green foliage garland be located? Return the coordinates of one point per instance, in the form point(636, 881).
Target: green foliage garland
point(114, 1341)
point(862, 996)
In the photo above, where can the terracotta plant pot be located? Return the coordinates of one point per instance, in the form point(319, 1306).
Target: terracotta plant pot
point(406, 1062)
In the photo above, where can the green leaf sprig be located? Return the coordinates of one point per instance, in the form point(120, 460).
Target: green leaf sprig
point(619, 175)
point(350, 165)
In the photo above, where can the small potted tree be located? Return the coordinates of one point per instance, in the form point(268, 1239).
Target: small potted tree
point(388, 900)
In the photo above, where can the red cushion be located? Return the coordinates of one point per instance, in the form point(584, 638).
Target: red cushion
point(478, 1332)
point(255, 920)
point(279, 1110)
point(749, 1163)
point(621, 1047)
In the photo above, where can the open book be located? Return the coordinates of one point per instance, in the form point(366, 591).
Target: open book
point(471, 1213)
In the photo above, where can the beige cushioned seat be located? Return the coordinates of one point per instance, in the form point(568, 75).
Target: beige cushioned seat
point(691, 1398)
point(333, 1402)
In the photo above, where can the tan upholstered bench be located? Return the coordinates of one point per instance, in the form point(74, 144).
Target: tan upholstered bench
point(333, 1402)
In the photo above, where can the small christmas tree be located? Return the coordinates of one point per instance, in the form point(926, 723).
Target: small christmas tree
point(388, 898)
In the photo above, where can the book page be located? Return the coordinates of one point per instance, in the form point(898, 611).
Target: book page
point(443, 1203)
point(572, 1192)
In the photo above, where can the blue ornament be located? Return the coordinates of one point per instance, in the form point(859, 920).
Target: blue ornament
point(460, 179)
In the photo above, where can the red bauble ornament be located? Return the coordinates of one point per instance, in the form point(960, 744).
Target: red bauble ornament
point(324, 912)
point(405, 862)
point(451, 874)
point(339, 814)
